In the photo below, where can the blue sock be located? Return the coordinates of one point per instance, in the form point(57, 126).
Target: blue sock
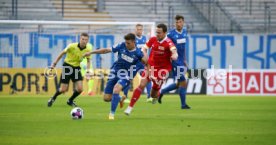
point(169, 88)
point(182, 94)
point(126, 90)
point(148, 89)
point(114, 102)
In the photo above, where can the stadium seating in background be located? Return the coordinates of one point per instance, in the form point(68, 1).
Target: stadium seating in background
point(29, 10)
point(148, 10)
point(81, 10)
point(250, 14)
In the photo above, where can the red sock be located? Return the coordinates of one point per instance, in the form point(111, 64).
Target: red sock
point(136, 95)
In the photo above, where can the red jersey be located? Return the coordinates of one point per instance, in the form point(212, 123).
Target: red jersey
point(160, 55)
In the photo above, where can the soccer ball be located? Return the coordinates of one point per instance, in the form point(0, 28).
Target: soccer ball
point(77, 113)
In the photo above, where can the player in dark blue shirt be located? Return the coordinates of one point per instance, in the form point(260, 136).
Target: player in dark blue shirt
point(122, 70)
point(140, 42)
point(179, 37)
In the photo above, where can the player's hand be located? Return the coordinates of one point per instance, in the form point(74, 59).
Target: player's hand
point(53, 66)
point(86, 54)
point(89, 75)
point(174, 56)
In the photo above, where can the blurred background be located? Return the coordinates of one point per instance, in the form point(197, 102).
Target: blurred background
point(202, 16)
point(223, 34)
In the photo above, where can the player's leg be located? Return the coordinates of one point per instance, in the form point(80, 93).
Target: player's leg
point(64, 83)
point(116, 98)
point(165, 90)
point(182, 86)
point(125, 91)
point(169, 88)
point(138, 69)
point(108, 90)
point(141, 70)
point(77, 79)
point(155, 90)
point(63, 88)
point(137, 93)
point(77, 91)
point(107, 97)
point(182, 93)
point(178, 73)
point(148, 87)
point(157, 80)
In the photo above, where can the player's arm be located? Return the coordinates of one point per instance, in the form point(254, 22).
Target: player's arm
point(145, 50)
point(174, 53)
point(57, 59)
point(144, 60)
point(98, 51)
point(172, 47)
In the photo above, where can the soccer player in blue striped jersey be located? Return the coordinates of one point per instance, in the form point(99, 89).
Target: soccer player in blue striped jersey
point(140, 42)
point(179, 36)
point(121, 71)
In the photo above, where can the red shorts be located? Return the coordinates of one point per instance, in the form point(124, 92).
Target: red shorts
point(157, 77)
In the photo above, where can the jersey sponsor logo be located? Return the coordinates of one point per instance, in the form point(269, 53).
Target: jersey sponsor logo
point(180, 41)
point(161, 48)
point(140, 45)
point(158, 52)
point(127, 58)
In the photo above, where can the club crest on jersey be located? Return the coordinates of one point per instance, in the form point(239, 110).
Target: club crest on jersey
point(127, 58)
point(161, 48)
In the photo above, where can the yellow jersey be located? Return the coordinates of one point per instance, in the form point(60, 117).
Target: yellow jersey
point(74, 53)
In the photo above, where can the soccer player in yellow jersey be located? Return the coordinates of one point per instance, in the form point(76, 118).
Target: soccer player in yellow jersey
point(71, 68)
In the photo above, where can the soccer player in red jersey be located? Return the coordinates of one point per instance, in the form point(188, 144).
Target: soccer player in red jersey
point(162, 52)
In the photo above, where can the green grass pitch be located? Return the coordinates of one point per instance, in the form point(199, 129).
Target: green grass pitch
point(25, 120)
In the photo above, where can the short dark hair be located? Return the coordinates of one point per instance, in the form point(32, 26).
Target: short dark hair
point(130, 36)
point(178, 17)
point(163, 26)
point(84, 34)
point(139, 25)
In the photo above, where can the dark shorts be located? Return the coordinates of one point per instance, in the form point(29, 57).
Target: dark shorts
point(70, 73)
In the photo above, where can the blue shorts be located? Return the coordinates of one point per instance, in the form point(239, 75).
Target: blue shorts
point(179, 71)
point(113, 79)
